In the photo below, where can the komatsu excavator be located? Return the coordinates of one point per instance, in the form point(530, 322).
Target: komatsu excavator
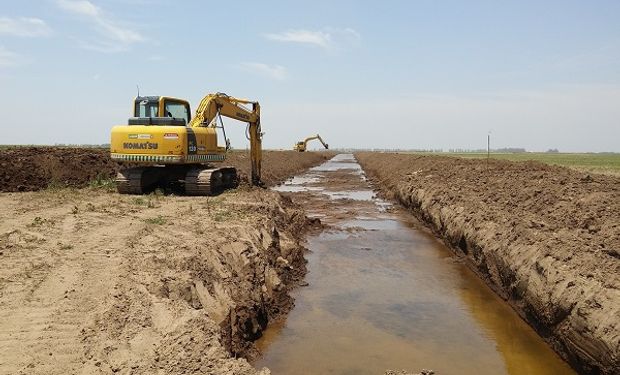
point(301, 145)
point(174, 151)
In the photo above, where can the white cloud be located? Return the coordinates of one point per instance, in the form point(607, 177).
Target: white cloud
point(83, 7)
point(116, 38)
point(24, 26)
point(9, 58)
point(326, 38)
point(317, 38)
point(276, 72)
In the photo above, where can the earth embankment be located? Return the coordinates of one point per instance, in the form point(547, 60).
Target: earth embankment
point(545, 238)
point(96, 282)
point(36, 168)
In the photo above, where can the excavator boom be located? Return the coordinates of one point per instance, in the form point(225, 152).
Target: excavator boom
point(214, 105)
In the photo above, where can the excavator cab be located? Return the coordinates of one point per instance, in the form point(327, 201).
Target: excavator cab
point(160, 110)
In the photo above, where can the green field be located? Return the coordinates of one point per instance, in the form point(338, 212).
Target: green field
point(607, 163)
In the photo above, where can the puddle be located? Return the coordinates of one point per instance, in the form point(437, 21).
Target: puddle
point(384, 294)
point(296, 188)
point(359, 195)
point(382, 224)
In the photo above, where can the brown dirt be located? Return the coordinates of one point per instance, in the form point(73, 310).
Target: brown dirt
point(545, 238)
point(277, 166)
point(36, 168)
point(96, 282)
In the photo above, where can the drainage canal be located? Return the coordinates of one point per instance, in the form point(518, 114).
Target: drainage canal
point(384, 294)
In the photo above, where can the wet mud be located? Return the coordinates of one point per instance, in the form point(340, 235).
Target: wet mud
point(383, 293)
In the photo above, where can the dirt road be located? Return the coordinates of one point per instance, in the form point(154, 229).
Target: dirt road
point(96, 282)
point(546, 239)
point(36, 168)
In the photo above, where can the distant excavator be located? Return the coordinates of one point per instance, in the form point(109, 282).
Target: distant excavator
point(302, 145)
point(175, 150)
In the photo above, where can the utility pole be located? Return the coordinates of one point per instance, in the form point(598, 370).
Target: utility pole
point(488, 148)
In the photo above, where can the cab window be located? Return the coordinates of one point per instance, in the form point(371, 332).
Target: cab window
point(177, 110)
point(146, 108)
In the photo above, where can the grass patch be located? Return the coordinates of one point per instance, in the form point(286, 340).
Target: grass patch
point(64, 246)
point(102, 181)
point(55, 185)
point(39, 221)
point(228, 214)
point(140, 201)
point(222, 216)
point(159, 220)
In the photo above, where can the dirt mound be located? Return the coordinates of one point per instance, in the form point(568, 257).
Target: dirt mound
point(545, 238)
point(277, 166)
point(36, 168)
point(93, 281)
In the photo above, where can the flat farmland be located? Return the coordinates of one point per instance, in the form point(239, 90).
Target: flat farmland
point(606, 163)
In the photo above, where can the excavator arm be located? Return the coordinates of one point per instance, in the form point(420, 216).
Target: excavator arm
point(302, 145)
point(322, 142)
point(214, 105)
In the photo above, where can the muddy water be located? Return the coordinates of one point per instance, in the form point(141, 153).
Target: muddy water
point(385, 294)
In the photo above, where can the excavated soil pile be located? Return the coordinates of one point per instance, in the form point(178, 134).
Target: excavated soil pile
point(96, 282)
point(277, 166)
point(36, 168)
point(545, 238)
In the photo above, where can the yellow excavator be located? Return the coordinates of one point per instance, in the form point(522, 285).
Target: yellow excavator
point(302, 145)
point(174, 151)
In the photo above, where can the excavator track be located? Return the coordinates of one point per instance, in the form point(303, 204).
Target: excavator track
point(194, 180)
point(198, 181)
point(129, 181)
point(139, 180)
point(210, 181)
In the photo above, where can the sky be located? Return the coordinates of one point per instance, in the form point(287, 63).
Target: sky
point(418, 74)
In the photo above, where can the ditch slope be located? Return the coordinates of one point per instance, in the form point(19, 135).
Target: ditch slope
point(545, 238)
